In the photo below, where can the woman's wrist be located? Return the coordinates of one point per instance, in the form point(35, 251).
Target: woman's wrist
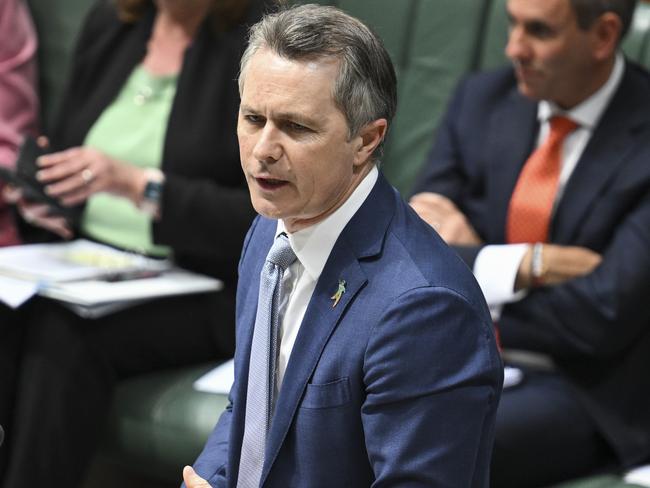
point(151, 196)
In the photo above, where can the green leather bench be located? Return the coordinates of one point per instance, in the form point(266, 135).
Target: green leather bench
point(158, 422)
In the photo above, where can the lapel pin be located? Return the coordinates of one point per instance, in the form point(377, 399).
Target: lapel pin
point(339, 293)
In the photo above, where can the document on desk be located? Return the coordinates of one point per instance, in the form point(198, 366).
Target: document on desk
point(71, 261)
point(639, 476)
point(95, 298)
point(218, 380)
point(15, 292)
point(90, 278)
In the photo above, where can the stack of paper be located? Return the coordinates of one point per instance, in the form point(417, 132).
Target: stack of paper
point(70, 261)
point(90, 278)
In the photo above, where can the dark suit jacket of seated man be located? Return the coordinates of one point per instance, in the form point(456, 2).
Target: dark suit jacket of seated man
point(392, 377)
point(584, 402)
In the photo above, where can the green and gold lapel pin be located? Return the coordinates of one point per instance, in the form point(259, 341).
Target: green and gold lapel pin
point(339, 293)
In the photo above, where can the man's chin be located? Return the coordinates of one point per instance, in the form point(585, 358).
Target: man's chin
point(267, 209)
point(529, 91)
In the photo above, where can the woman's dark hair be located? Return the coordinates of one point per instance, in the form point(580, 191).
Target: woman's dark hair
point(225, 13)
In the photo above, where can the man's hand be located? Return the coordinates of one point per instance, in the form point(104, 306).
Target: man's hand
point(193, 480)
point(441, 214)
point(559, 264)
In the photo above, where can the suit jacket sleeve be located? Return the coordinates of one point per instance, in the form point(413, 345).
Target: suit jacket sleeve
point(433, 384)
point(211, 463)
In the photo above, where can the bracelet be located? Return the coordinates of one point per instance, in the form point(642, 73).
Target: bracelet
point(537, 264)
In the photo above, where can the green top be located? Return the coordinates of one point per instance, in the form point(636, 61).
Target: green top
point(131, 129)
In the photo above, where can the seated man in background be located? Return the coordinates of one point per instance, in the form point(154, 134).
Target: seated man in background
point(371, 359)
point(540, 176)
point(18, 99)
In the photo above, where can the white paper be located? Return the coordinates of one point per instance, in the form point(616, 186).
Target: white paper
point(96, 292)
point(14, 292)
point(69, 261)
point(512, 376)
point(639, 476)
point(75, 273)
point(219, 380)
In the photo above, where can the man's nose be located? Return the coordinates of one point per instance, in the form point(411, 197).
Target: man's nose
point(517, 48)
point(267, 147)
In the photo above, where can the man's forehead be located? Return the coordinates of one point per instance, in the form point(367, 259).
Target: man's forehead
point(271, 63)
point(540, 10)
point(270, 77)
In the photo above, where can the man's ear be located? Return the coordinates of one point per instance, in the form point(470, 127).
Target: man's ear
point(606, 35)
point(368, 138)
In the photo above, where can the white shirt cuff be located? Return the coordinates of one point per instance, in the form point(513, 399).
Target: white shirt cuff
point(495, 269)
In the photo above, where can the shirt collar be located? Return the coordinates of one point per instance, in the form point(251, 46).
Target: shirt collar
point(588, 113)
point(313, 244)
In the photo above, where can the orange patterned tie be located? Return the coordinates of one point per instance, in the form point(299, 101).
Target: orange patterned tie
point(531, 204)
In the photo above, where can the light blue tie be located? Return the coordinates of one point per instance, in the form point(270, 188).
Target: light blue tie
point(262, 368)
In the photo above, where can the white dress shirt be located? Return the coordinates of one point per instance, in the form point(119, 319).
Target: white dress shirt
point(312, 246)
point(496, 266)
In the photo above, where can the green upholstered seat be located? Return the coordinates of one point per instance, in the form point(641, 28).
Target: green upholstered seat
point(159, 423)
point(637, 43)
point(440, 47)
point(495, 36)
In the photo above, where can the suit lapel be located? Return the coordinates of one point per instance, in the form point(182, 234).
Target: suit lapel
point(512, 136)
point(362, 237)
point(613, 140)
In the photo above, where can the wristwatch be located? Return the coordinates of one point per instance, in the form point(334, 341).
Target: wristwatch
point(152, 194)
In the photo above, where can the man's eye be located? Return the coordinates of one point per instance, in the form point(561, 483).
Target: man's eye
point(539, 30)
point(254, 119)
point(295, 127)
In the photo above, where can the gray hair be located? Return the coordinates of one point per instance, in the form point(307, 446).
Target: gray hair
point(366, 87)
point(587, 11)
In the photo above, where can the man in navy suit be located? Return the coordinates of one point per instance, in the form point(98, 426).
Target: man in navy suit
point(387, 369)
point(571, 306)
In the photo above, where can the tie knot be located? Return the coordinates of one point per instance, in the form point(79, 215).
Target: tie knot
point(562, 126)
point(281, 253)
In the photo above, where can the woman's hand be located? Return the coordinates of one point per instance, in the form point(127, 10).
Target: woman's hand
point(37, 214)
point(79, 172)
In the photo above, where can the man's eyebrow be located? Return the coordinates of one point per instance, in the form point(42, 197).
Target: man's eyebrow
point(295, 117)
point(246, 108)
point(527, 22)
point(292, 116)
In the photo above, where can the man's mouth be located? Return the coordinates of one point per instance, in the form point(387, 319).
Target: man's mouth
point(525, 72)
point(270, 183)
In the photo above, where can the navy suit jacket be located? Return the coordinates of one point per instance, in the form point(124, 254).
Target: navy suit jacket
point(395, 386)
point(597, 328)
